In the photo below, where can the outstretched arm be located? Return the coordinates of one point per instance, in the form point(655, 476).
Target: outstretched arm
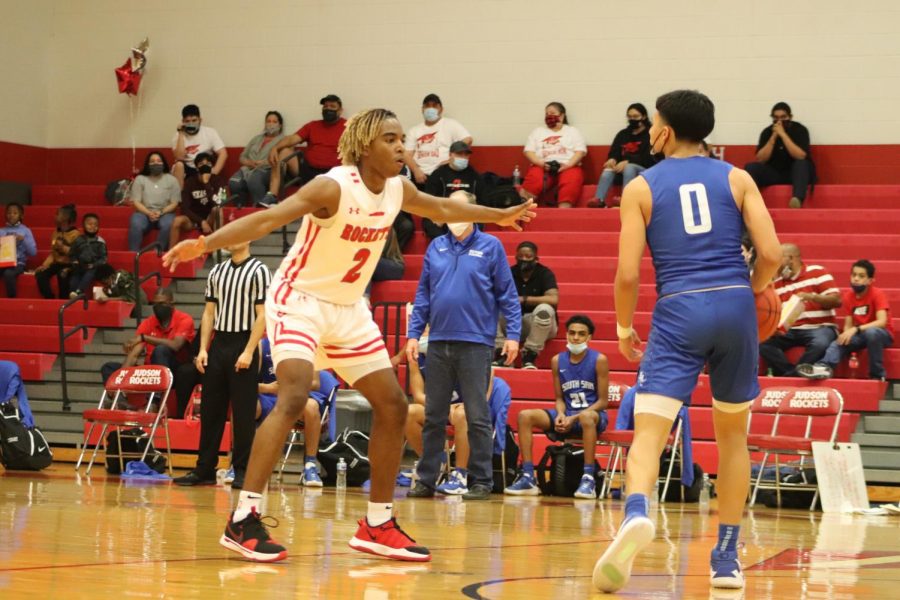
point(443, 210)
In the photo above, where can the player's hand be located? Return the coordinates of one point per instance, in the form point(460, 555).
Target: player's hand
point(846, 336)
point(510, 351)
point(412, 350)
point(512, 215)
point(183, 252)
point(559, 424)
point(630, 347)
point(243, 361)
point(201, 361)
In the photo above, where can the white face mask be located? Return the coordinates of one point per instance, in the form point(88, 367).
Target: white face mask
point(457, 229)
point(577, 348)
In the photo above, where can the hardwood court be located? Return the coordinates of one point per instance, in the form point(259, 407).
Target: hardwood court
point(62, 536)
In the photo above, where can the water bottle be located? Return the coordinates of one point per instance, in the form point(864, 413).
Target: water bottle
point(415, 475)
point(341, 484)
point(654, 495)
point(517, 176)
point(853, 363)
point(770, 373)
point(704, 495)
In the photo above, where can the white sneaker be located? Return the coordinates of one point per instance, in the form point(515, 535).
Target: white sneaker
point(613, 570)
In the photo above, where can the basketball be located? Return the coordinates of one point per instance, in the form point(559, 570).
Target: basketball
point(768, 312)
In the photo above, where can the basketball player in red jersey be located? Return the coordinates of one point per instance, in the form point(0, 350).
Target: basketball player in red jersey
point(317, 317)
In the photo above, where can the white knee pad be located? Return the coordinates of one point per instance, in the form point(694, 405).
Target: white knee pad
point(731, 407)
point(654, 404)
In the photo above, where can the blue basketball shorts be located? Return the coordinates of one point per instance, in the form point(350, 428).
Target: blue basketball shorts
point(576, 426)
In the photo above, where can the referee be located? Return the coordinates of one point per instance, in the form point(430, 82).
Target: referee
point(235, 299)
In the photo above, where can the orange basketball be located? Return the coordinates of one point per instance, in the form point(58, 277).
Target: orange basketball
point(768, 312)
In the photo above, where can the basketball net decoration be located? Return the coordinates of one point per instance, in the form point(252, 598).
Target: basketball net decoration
point(129, 77)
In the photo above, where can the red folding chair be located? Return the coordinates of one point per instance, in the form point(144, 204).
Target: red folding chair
point(811, 404)
point(134, 397)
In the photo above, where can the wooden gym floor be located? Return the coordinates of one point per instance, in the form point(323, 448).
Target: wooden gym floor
point(65, 536)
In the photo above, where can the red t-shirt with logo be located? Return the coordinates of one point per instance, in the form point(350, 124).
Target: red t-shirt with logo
point(181, 324)
point(865, 308)
point(322, 142)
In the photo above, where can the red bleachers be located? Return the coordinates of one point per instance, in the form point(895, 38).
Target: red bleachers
point(42, 312)
point(32, 366)
point(40, 338)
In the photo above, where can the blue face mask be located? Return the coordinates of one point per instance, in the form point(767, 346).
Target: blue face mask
point(460, 163)
point(431, 114)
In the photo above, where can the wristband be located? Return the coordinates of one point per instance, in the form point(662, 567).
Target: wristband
point(624, 332)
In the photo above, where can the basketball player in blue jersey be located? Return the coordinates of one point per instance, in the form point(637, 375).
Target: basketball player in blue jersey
point(691, 211)
point(581, 386)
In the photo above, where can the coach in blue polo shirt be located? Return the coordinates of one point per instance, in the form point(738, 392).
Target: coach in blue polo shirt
point(466, 282)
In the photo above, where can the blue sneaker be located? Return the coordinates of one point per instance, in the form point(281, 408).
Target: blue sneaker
point(229, 475)
point(613, 569)
point(725, 570)
point(404, 479)
point(587, 488)
point(310, 477)
point(455, 484)
point(366, 485)
point(524, 485)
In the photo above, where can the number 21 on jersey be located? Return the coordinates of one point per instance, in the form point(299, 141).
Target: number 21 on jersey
point(691, 194)
point(578, 400)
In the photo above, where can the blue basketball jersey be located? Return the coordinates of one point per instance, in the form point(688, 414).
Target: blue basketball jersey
point(327, 383)
point(578, 381)
point(267, 367)
point(695, 227)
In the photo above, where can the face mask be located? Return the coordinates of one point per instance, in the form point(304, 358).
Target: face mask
point(526, 265)
point(191, 129)
point(457, 229)
point(858, 288)
point(653, 150)
point(635, 123)
point(786, 272)
point(156, 169)
point(431, 114)
point(329, 115)
point(163, 312)
point(577, 348)
point(460, 164)
point(423, 344)
point(204, 169)
point(551, 120)
point(273, 129)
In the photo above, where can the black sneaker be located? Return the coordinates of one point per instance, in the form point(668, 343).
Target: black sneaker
point(268, 201)
point(249, 538)
point(529, 359)
point(238, 483)
point(499, 359)
point(479, 491)
point(420, 491)
point(192, 479)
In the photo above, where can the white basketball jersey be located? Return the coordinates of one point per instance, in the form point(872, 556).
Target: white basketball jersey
point(333, 259)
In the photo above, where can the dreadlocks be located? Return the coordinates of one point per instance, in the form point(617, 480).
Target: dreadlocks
point(360, 132)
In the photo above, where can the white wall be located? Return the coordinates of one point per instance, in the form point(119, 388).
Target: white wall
point(25, 41)
point(495, 63)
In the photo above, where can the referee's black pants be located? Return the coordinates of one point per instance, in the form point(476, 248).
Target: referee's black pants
point(223, 386)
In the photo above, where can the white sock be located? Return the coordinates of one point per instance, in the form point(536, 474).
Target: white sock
point(379, 513)
point(247, 501)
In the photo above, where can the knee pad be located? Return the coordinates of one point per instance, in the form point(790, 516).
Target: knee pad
point(655, 404)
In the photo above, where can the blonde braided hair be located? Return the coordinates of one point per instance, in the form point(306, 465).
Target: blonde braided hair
point(360, 132)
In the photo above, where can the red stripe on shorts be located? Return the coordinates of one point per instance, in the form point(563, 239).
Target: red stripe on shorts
point(369, 343)
point(297, 341)
point(355, 354)
point(288, 278)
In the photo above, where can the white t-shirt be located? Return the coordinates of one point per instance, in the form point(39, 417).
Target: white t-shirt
point(430, 144)
point(555, 145)
point(205, 140)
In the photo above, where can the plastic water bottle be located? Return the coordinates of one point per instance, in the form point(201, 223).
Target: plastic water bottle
point(341, 483)
point(415, 475)
point(770, 372)
point(853, 363)
point(517, 176)
point(654, 495)
point(704, 495)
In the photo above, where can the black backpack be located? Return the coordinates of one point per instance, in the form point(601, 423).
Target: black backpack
point(511, 453)
point(353, 447)
point(21, 448)
point(156, 460)
point(692, 493)
point(791, 498)
point(560, 470)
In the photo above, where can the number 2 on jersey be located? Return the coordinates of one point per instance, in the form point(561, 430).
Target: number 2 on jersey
point(362, 255)
point(688, 192)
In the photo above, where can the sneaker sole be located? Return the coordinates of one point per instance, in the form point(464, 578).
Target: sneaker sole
point(613, 569)
point(529, 492)
point(250, 554)
point(727, 583)
point(457, 492)
point(305, 483)
point(591, 496)
point(386, 551)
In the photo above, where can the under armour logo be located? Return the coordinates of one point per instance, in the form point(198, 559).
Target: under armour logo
point(354, 211)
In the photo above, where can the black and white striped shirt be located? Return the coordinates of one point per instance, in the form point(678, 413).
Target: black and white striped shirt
point(237, 289)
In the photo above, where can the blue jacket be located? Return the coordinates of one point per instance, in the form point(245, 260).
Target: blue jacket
point(25, 248)
point(11, 386)
point(463, 288)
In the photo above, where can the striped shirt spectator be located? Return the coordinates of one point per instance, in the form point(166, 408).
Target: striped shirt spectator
point(812, 279)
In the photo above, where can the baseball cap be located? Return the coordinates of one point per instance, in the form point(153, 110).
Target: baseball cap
point(331, 98)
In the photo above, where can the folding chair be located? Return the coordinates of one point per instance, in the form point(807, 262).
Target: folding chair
point(133, 397)
point(804, 403)
point(328, 419)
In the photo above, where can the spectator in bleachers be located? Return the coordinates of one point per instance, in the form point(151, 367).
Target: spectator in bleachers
point(164, 338)
point(252, 179)
point(155, 195)
point(428, 143)
point(25, 245)
point(538, 298)
point(454, 176)
point(87, 253)
point(117, 285)
point(867, 325)
point(57, 262)
point(193, 138)
point(782, 155)
point(628, 155)
point(200, 199)
point(321, 138)
point(814, 328)
point(555, 152)
point(581, 389)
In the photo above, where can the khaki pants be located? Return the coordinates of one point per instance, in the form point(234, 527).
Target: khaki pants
point(538, 326)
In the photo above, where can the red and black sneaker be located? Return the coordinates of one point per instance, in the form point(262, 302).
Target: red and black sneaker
point(389, 541)
point(249, 538)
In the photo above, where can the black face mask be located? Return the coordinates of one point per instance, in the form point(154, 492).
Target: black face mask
point(635, 123)
point(858, 288)
point(204, 169)
point(155, 169)
point(329, 116)
point(163, 312)
point(526, 266)
point(191, 129)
